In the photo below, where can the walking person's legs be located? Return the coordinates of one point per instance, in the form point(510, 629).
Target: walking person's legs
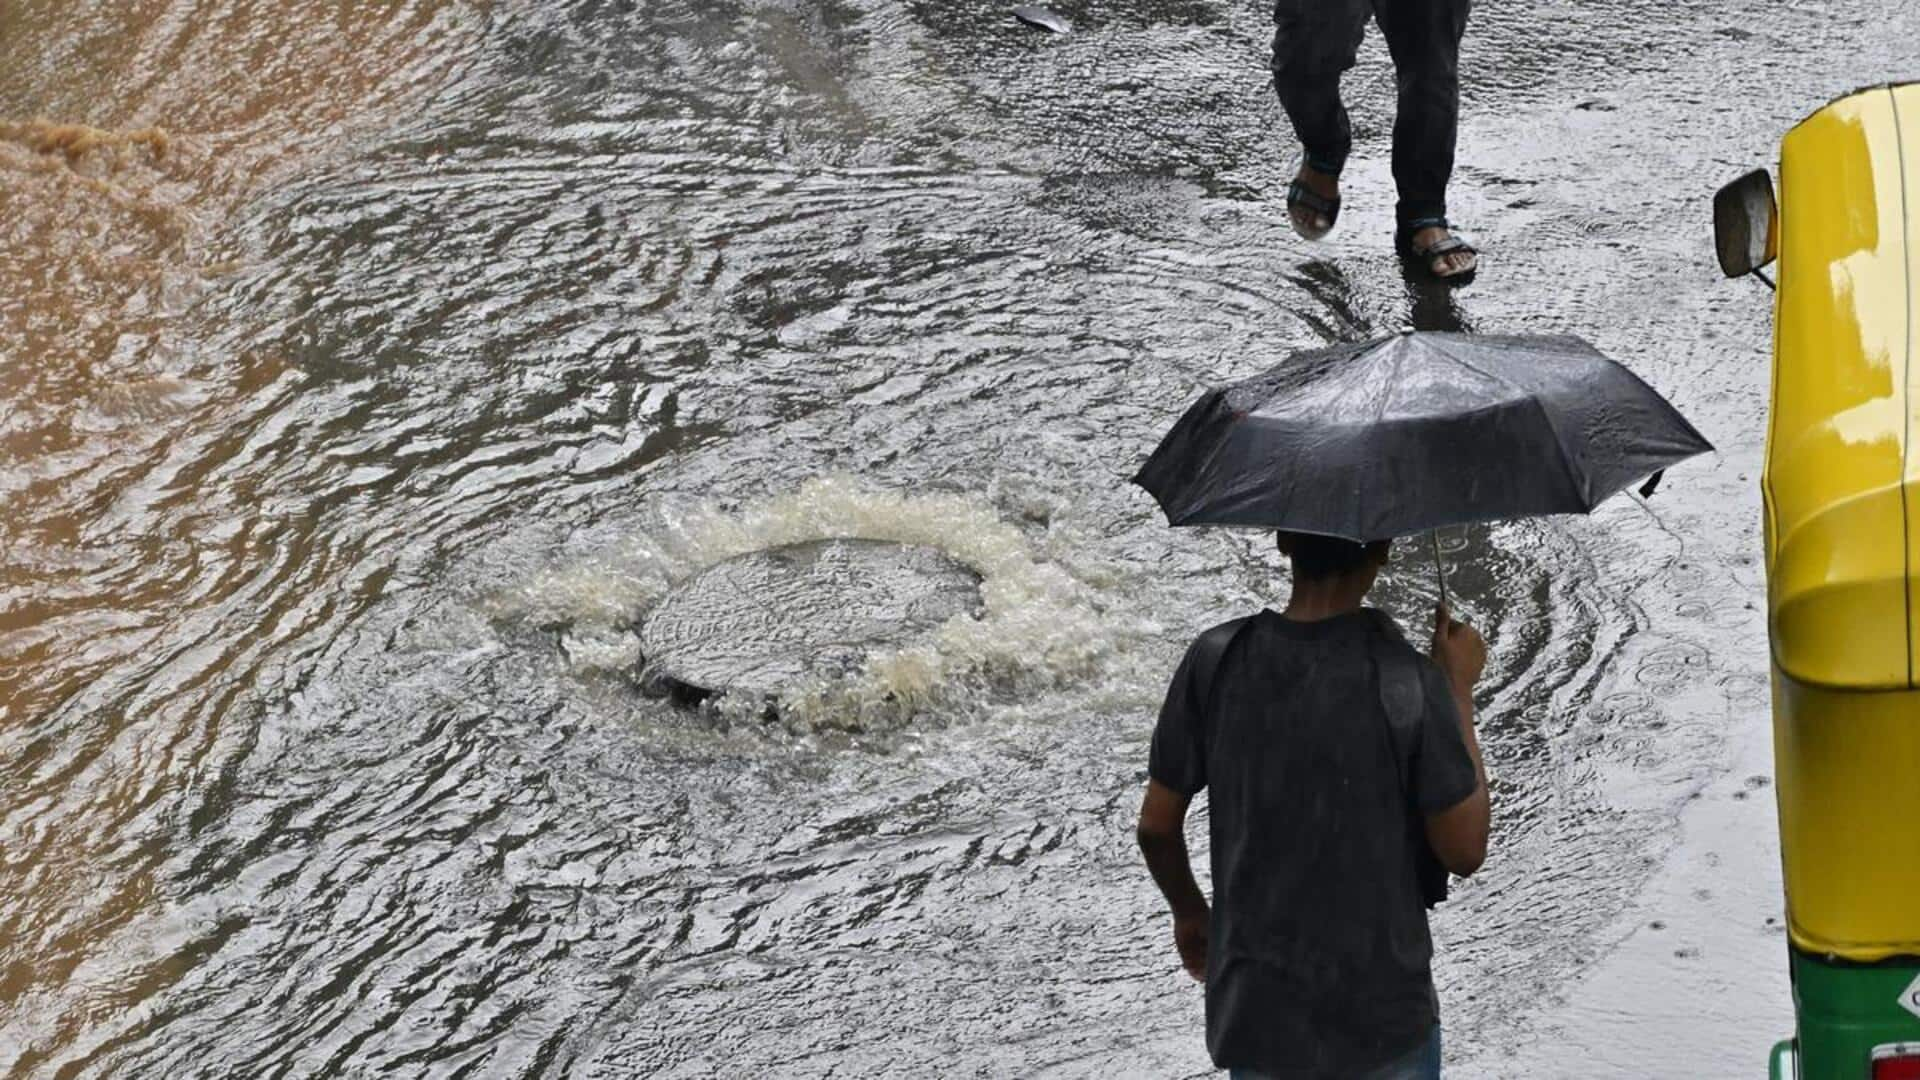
point(1423, 37)
point(1314, 43)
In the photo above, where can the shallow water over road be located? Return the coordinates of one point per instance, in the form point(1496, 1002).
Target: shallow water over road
point(352, 425)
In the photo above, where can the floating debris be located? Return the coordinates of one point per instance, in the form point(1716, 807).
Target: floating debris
point(1042, 18)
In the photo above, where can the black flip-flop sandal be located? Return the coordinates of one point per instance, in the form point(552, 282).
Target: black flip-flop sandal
point(1427, 255)
point(1300, 196)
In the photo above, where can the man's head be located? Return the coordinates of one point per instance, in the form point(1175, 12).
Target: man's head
point(1326, 558)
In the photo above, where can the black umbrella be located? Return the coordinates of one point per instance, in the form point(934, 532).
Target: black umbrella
point(1402, 434)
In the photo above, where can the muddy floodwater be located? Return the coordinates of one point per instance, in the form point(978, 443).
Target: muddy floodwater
point(368, 371)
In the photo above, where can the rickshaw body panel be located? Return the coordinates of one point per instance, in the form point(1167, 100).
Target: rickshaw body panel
point(1906, 107)
point(1845, 1011)
point(1848, 831)
point(1839, 538)
point(1842, 533)
point(1837, 544)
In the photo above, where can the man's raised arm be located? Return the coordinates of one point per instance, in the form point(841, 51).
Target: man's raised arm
point(1458, 834)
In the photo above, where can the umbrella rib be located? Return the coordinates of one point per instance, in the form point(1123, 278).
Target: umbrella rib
point(1581, 482)
point(1399, 369)
point(1380, 418)
point(1477, 370)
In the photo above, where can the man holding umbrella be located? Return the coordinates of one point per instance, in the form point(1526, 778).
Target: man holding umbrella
point(1344, 772)
point(1316, 952)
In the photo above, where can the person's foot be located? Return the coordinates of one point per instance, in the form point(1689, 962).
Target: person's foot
point(1444, 263)
point(1313, 202)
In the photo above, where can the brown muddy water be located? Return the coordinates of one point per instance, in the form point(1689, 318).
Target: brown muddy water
point(368, 369)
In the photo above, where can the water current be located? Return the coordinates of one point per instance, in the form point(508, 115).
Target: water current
point(369, 368)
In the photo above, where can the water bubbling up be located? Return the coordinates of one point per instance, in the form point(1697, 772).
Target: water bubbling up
point(1041, 625)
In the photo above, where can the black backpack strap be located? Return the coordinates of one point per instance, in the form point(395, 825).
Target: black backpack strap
point(1210, 650)
point(1402, 700)
point(1404, 704)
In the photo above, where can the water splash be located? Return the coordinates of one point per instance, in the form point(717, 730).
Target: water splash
point(1041, 624)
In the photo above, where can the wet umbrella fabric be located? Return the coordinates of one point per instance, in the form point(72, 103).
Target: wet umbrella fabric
point(1394, 436)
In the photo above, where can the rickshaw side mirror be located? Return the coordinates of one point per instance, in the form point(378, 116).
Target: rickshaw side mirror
point(1746, 230)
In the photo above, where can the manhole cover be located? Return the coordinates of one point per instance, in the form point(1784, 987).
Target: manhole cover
point(759, 622)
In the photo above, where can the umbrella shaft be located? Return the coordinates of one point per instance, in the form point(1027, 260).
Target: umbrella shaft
point(1439, 567)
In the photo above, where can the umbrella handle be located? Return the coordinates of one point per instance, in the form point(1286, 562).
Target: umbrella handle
point(1439, 566)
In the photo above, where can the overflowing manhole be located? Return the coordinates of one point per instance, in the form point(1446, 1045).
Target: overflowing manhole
point(759, 623)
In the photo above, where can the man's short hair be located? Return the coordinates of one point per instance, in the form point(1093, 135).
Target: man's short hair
point(1324, 556)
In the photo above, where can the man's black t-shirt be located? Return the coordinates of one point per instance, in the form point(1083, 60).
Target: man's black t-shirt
point(1318, 953)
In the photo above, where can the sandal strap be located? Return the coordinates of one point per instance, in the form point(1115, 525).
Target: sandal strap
point(1447, 246)
point(1299, 194)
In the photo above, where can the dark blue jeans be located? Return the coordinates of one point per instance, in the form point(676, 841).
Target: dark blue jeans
point(1421, 1063)
point(1314, 42)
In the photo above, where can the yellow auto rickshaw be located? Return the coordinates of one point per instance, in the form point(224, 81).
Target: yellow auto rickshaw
point(1842, 496)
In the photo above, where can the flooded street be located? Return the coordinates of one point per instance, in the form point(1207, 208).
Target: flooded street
point(370, 371)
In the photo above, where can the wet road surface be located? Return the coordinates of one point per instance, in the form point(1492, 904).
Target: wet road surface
point(354, 425)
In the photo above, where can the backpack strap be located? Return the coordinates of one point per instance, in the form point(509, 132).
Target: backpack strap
point(1403, 702)
point(1402, 699)
point(1210, 649)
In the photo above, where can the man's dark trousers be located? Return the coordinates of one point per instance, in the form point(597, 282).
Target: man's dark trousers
point(1314, 41)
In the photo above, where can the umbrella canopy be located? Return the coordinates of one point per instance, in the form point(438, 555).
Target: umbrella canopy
point(1390, 437)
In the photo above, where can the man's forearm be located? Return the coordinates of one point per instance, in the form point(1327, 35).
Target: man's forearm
point(1463, 704)
point(1172, 870)
point(1458, 834)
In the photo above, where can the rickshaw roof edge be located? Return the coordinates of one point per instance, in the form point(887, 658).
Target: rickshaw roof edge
point(1860, 91)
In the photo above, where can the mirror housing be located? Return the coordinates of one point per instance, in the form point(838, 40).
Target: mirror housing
point(1746, 224)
